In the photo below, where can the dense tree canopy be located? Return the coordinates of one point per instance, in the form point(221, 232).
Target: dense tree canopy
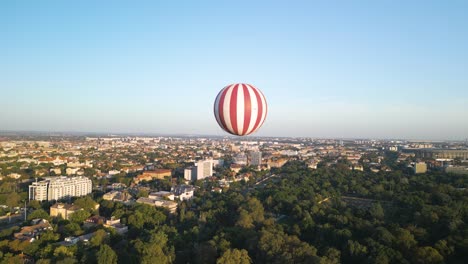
point(329, 215)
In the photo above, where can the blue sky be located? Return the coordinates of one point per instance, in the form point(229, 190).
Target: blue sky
point(379, 69)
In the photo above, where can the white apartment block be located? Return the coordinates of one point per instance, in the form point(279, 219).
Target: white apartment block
point(204, 169)
point(56, 188)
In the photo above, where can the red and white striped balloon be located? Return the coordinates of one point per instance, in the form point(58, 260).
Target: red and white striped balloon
point(240, 109)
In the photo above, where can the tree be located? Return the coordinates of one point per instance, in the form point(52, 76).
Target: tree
point(277, 247)
point(62, 252)
point(13, 199)
point(155, 250)
point(332, 256)
point(405, 239)
point(427, 255)
point(73, 229)
point(79, 216)
point(40, 213)
point(49, 236)
point(356, 250)
point(235, 256)
point(98, 238)
point(245, 220)
point(106, 255)
point(34, 204)
point(376, 211)
point(87, 203)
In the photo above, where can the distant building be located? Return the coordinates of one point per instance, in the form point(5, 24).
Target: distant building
point(162, 195)
point(434, 153)
point(204, 169)
point(63, 210)
point(190, 173)
point(358, 168)
point(95, 220)
point(153, 174)
point(240, 159)
point(289, 152)
point(256, 158)
point(72, 171)
point(169, 205)
point(113, 172)
point(117, 196)
point(276, 163)
point(236, 168)
point(117, 225)
point(56, 188)
point(420, 167)
point(30, 233)
point(14, 176)
point(457, 169)
point(57, 171)
point(201, 170)
point(218, 163)
point(183, 192)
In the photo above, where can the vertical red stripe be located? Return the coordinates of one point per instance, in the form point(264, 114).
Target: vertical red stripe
point(247, 109)
point(260, 108)
point(221, 110)
point(215, 107)
point(233, 109)
point(266, 107)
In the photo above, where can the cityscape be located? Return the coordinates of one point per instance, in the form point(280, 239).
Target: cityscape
point(234, 132)
point(72, 191)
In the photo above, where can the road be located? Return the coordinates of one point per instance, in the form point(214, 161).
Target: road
point(259, 182)
point(15, 220)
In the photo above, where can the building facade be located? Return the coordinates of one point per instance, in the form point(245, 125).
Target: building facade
point(63, 210)
point(256, 158)
point(204, 169)
point(56, 188)
point(190, 173)
point(439, 153)
point(420, 167)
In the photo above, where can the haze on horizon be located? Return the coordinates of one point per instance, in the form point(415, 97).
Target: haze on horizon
point(368, 69)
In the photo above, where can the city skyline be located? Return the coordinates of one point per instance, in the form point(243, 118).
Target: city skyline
point(328, 70)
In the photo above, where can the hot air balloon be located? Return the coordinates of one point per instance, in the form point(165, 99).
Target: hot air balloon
point(240, 109)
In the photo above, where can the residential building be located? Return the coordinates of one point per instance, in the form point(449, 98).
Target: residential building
point(169, 205)
point(420, 167)
point(218, 163)
point(14, 176)
point(434, 153)
point(117, 225)
point(72, 171)
point(183, 192)
point(118, 196)
point(30, 233)
point(457, 169)
point(153, 174)
point(162, 195)
point(240, 159)
point(56, 188)
point(63, 210)
point(190, 173)
point(255, 158)
point(204, 169)
point(95, 220)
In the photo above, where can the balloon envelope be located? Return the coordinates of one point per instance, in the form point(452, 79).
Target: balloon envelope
point(240, 109)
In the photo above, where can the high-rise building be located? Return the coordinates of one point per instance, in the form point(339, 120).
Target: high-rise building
point(56, 188)
point(204, 169)
point(255, 158)
point(190, 174)
point(201, 170)
point(240, 159)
